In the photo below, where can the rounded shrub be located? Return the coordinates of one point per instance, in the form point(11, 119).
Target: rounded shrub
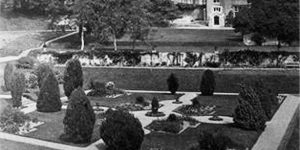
point(121, 130)
point(208, 83)
point(42, 71)
point(73, 76)
point(8, 73)
point(97, 88)
point(17, 88)
point(195, 102)
point(172, 83)
point(49, 95)
point(172, 118)
point(79, 119)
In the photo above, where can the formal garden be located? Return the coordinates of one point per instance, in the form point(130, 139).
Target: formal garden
point(62, 106)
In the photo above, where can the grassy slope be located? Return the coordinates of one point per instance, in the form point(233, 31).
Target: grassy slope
point(17, 22)
point(285, 81)
point(24, 41)
point(166, 39)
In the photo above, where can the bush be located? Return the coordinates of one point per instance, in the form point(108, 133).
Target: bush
point(26, 62)
point(172, 83)
point(208, 83)
point(121, 130)
point(141, 100)
point(216, 141)
point(31, 81)
point(73, 76)
point(49, 96)
point(42, 71)
point(267, 98)
point(154, 105)
point(79, 119)
point(172, 118)
point(11, 119)
point(195, 102)
point(97, 88)
point(249, 113)
point(17, 88)
point(8, 73)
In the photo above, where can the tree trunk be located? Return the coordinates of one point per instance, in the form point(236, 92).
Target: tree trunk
point(82, 39)
point(115, 42)
point(133, 44)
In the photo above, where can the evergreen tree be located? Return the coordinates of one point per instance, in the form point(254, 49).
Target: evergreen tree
point(172, 83)
point(73, 76)
point(17, 88)
point(79, 119)
point(49, 96)
point(208, 83)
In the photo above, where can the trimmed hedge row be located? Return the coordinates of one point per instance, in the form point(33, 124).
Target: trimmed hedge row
point(286, 81)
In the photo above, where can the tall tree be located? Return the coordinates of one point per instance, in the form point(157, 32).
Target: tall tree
point(111, 19)
point(162, 12)
point(270, 18)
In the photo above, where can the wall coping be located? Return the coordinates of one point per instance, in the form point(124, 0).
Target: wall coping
point(190, 68)
point(278, 130)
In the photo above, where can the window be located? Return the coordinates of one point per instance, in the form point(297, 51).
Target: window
point(217, 9)
point(216, 1)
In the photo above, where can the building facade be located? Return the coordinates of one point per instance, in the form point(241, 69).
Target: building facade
point(214, 12)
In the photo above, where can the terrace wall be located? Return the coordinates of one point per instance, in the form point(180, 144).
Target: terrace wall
point(279, 130)
point(227, 80)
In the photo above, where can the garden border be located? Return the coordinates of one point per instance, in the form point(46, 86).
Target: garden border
point(279, 130)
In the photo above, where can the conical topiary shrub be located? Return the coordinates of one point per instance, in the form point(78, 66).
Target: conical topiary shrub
point(49, 96)
point(73, 76)
point(208, 83)
point(42, 71)
point(8, 73)
point(17, 88)
point(122, 131)
point(79, 119)
point(249, 113)
point(172, 83)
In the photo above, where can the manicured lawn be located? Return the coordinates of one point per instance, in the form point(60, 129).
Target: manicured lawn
point(225, 104)
point(113, 102)
point(227, 80)
point(53, 128)
point(241, 138)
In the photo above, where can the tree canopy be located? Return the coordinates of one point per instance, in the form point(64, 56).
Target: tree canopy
point(277, 19)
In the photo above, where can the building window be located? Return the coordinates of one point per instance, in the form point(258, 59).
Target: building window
point(216, 1)
point(217, 9)
point(236, 9)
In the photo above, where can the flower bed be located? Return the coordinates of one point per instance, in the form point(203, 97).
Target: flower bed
point(243, 58)
point(16, 122)
point(172, 126)
point(135, 107)
point(199, 110)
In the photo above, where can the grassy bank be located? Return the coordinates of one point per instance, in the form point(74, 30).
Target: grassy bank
point(285, 81)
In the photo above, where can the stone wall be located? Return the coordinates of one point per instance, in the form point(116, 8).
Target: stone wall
point(280, 128)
